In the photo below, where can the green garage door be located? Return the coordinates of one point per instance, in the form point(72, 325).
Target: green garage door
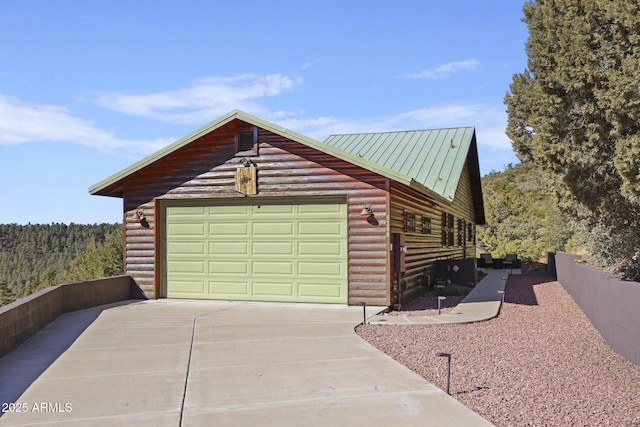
point(255, 250)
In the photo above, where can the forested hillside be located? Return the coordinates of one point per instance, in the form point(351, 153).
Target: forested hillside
point(33, 257)
point(522, 217)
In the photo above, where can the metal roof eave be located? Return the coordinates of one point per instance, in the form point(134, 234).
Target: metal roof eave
point(429, 192)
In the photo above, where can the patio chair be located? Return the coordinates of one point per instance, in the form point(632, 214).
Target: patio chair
point(487, 260)
point(510, 261)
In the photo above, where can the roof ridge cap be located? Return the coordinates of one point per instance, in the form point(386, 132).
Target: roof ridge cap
point(400, 131)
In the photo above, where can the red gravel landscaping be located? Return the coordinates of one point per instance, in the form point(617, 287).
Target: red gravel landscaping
point(539, 363)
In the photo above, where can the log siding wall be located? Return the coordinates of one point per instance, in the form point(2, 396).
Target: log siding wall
point(205, 169)
point(424, 249)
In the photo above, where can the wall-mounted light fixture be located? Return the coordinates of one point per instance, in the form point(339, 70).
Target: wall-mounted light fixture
point(142, 218)
point(366, 212)
point(247, 163)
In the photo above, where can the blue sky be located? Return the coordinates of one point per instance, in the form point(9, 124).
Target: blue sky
point(89, 87)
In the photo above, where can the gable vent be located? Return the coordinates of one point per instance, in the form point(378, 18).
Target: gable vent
point(245, 141)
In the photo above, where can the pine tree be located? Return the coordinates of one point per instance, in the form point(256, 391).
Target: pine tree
point(575, 112)
point(521, 218)
point(7, 295)
point(101, 259)
point(35, 256)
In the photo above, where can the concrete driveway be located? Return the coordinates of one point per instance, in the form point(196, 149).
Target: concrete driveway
point(210, 363)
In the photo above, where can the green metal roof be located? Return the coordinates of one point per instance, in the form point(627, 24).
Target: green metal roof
point(429, 160)
point(433, 159)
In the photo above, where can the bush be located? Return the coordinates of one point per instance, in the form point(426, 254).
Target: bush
point(617, 251)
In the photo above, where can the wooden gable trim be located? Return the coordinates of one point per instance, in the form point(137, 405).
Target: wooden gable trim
point(111, 186)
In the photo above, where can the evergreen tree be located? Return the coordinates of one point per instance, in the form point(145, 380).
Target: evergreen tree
point(521, 217)
point(33, 257)
point(101, 259)
point(574, 113)
point(7, 295)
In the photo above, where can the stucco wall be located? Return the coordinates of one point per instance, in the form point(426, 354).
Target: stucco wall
point(610, 304)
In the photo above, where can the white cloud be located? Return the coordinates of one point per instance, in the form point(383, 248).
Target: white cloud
point(206, 98)
point(309, 64)
point(445, 70)
point(22, 122)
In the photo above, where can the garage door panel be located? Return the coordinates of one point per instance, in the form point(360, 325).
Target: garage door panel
point(186, 230)
point(229, 267)
point(315, 248)
point(267, 289)
point(282, 250)
point(275, 210)
point(284, 268)
point(278, 229)
point(185, 248)
point(181, 266)
point(186, 211)
point(229, 248)
point(226, 210)
point(228, 228)
point(189, 287)
point(227, 288)
point(272, 248)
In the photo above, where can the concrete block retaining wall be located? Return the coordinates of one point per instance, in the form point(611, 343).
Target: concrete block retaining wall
point(612, 305)
point(23, 318)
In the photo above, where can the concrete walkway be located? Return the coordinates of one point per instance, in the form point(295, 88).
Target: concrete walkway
point(195, 363)
point(482, 303)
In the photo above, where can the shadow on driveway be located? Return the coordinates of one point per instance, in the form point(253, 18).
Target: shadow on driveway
point(193, 363)
point(23, 365)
